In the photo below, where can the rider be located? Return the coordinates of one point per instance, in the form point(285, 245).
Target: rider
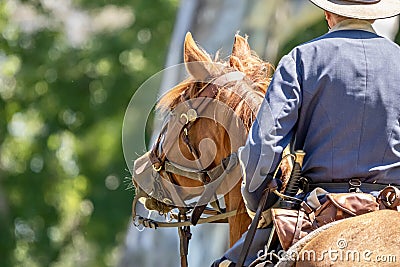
point(337, 98)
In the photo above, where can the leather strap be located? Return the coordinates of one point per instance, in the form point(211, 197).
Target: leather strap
point(252, 230)
point(196, 214)
point(299, 225)
point(344, 186)
point(217, 175)
point(184, 236)
point(227, 164)
point(229, 77)
point(186, 172)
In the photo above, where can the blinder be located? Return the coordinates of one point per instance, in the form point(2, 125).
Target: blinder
point(170, 194)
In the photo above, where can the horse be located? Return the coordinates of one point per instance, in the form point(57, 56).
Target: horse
point(238, 86)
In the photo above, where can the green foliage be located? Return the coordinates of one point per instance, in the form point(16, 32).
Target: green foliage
point(397, 39)
point(313, 31)
point(62, 194)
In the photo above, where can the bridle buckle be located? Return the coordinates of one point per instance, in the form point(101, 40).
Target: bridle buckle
point(157, 169)
point(190, 115)
point(354, 185)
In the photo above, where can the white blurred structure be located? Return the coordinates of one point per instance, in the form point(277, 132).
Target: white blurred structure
point(387, 27)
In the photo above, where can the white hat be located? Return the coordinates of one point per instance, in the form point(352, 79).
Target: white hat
point(361, 9)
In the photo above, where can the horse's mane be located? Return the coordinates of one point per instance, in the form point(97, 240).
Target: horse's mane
point(244, 96)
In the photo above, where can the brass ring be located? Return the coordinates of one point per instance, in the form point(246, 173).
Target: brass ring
point(183, 115)
point(167, 201)
point(192, 115)
point(156, 169)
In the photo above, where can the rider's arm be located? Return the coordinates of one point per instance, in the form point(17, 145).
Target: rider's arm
point(271, 132)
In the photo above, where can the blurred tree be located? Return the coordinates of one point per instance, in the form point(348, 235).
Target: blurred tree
point(397, 39)
point(67, 72)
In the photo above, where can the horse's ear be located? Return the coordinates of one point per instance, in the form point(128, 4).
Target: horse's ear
point(196, 60)
point(241, 47)
point(240, 51)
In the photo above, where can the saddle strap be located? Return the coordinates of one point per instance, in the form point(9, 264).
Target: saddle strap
point(299, 225)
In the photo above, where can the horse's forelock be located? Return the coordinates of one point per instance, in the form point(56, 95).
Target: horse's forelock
point(242, 96)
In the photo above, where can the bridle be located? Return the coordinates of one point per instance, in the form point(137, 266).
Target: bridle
point(187, 119)
point(211, 178)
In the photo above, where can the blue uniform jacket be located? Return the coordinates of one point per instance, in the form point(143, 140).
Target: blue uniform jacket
point(338, 98)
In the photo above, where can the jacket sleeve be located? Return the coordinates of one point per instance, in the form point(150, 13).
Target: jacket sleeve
point(271, 132)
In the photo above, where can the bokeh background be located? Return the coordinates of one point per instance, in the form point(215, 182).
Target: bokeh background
point(68, 69)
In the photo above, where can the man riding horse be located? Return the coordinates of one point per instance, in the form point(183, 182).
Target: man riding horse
point(337, 98)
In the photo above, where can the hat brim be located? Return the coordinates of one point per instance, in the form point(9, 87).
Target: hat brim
point(380, 10)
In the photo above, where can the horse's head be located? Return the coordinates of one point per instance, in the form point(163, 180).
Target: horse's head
point(209, 116)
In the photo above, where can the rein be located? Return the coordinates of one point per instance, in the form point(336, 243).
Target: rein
point(155, 224)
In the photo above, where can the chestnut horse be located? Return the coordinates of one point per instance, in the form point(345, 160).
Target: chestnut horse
point(239, 84)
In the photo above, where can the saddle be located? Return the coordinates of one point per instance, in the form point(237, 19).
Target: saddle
point(321, 208)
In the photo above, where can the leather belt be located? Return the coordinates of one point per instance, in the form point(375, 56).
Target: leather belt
point(334, 187)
